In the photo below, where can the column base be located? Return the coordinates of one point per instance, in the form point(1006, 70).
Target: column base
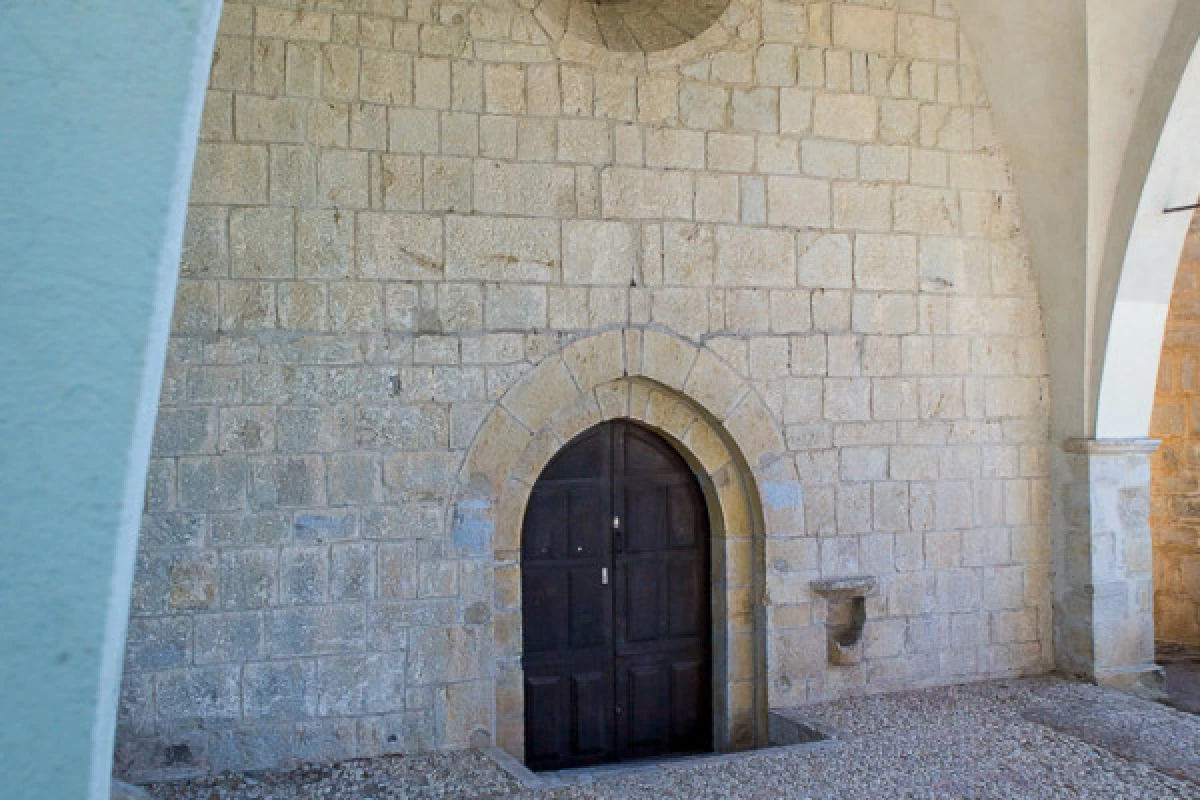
point(1147, 681)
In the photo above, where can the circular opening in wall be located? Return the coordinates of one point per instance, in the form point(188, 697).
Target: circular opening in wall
point(634, 26)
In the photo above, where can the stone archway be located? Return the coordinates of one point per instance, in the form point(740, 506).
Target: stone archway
point(716, 421)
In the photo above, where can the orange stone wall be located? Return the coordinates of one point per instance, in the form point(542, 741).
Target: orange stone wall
point(1175, 509)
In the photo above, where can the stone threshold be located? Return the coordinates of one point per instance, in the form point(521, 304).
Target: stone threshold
point(789, 732)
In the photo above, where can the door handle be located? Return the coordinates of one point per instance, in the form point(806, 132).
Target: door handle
point(604, 576)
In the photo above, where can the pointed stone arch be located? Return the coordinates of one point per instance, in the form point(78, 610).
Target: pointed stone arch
point(717, 421)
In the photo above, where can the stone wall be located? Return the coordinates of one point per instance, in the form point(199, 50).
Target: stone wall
point(1175, 469)
point(401, 208)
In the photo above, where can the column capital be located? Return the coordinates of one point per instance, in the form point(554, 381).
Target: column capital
point(1112, 447)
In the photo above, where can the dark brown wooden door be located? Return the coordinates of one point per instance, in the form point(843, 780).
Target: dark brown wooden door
point(615, 565)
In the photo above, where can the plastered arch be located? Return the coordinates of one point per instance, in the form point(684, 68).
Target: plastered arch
point(82, 412)
point(717, 421)
point(1144, 250)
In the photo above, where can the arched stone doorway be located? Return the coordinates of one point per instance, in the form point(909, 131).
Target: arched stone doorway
point(720, 426)
point(616, 603)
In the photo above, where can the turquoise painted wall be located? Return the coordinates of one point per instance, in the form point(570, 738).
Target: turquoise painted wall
point(99, 114)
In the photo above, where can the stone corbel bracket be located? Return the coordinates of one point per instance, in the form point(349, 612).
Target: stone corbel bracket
point(846, 616)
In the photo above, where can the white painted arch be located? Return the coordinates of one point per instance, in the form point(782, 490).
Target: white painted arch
point(1129, 372)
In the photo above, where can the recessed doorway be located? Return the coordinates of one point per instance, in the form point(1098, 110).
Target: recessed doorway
point(616, 604)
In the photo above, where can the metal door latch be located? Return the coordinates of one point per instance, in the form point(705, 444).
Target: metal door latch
point(616, 523)
point(604, 576)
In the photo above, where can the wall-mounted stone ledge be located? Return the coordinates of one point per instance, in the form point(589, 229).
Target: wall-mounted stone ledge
point(843, 589)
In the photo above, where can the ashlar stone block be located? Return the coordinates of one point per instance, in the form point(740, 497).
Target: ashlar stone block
point(447, 655)
point(674, 149)
point(293, 481)
point(447, 184)
point(316, 631)
point(342, 178)
point(798, 202)
point(920, 36)
point(646, 194)
point(703, 107)
point(262, 242)
point(885, 262)
point(199, 695)
point(502, 249)
point(248, 579)
point(596, 359)
point(869, 30)
point(756, 110)
point(599, 252)
point(848, 117)
point(386, 77)
point(206, 243)
point(584, 141)
point(828, 159)
point(280, 690)
point(269, 119)
point(717, 198)
point(755, 257)
point(514, 307)
point(231, 174)
point(281, 23)
point(228, 638)
point(399, 247)
point(530, 189)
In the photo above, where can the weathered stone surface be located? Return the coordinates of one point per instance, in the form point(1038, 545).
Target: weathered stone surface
point(450, 655)
point(502, 249)
point(424, 249)
point(755, 257)
point(596, 252)
point(399, 247)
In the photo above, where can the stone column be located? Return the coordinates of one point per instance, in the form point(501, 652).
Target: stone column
point(1103, 585)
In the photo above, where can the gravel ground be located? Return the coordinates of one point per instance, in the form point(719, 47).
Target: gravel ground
point(1014, 739)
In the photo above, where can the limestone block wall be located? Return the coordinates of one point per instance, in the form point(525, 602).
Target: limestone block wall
point(1175, 468)
point(402, 207)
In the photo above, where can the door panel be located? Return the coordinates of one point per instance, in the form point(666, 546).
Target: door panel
point(645, 455)
point(587, 616)
point(664, 640)
point(545, 595)
point(587, 529)
point(642, 613)
point(543, 726)
point(592, 712)
point(681, 517)
point(689, 681)
point(617, 668)
point(545, 520)
point(647, 710)
point(645, 519)
point(685, 580)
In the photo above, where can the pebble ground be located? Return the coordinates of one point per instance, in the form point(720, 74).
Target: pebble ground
point(1030, 738)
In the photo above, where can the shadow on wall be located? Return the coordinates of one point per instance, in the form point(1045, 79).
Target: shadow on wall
point(630, 26)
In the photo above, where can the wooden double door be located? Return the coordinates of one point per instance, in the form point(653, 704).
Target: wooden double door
point(616, 604)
